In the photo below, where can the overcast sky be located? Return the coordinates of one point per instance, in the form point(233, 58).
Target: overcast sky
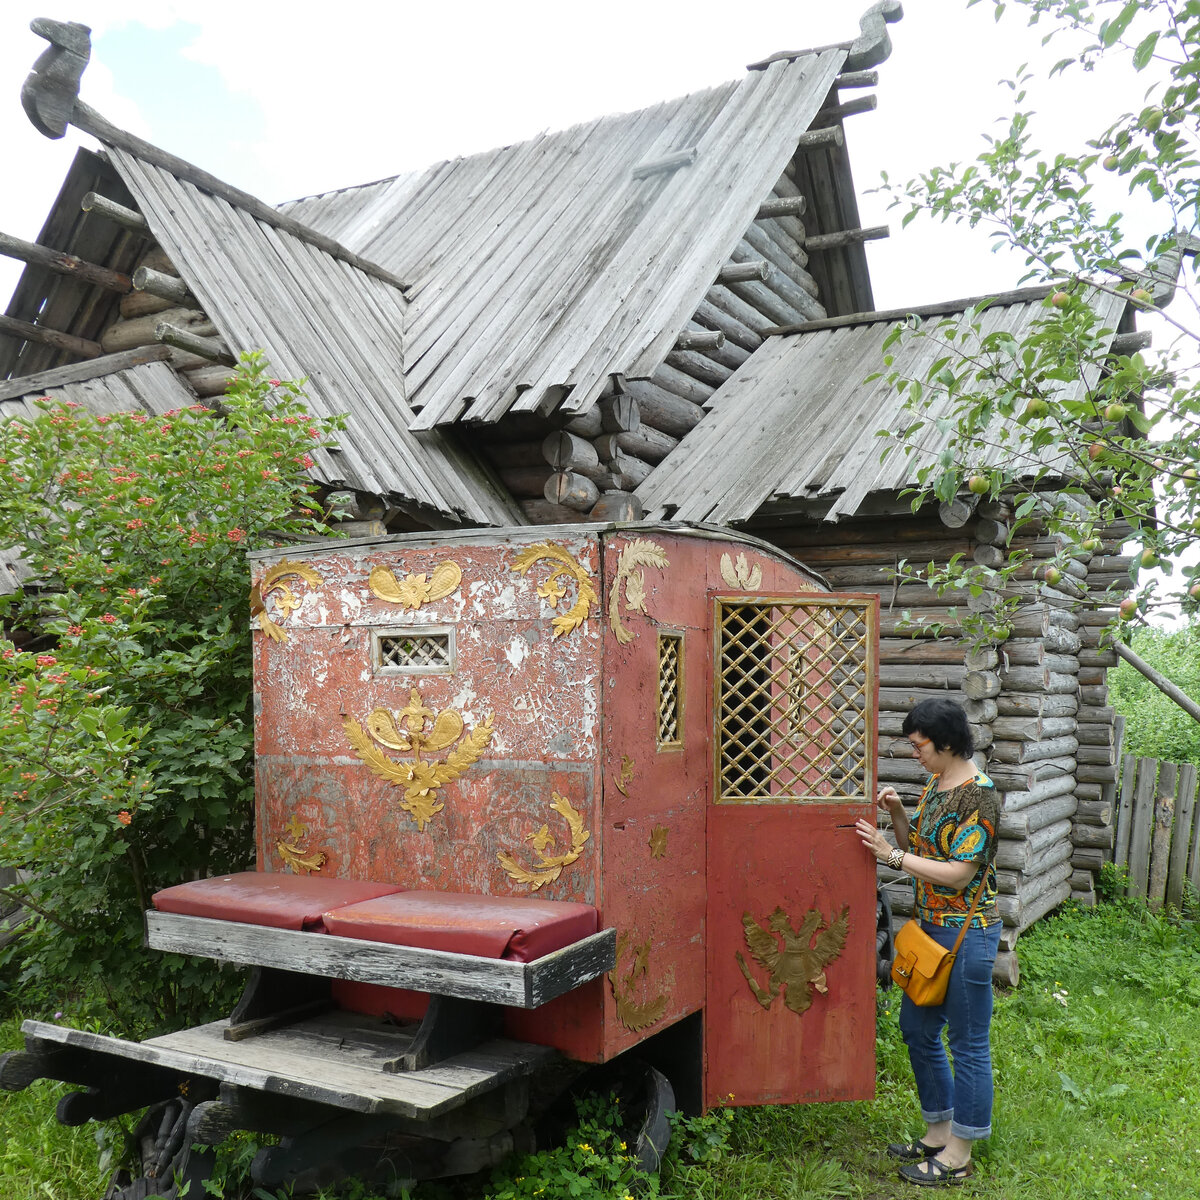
point(284, 103)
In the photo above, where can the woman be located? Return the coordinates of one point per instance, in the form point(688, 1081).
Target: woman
point(948, 849)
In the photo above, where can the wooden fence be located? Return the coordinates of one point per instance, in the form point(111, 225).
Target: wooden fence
point(1158, 829)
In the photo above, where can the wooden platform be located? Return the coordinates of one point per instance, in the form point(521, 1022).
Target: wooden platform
point(467, 976)
point(333, 1059)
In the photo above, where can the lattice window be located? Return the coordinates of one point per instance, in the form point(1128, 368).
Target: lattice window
point(794, 704)
point(414, 650)
point(670, 689)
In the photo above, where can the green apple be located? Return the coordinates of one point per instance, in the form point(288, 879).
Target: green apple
point(1128, 608)
point(1037, 407)
point(978, 485)
point(1115, 412)
point(1052, 575)
point(1060, 299)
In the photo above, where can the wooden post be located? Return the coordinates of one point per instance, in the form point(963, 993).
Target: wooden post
point(781, 206)
point(166, 287)
point(64, 264)
point(758, 269)
point(1185, 804)
point(1160, 845)
point(695, 340)
point(1141, 820)
point(844, 237)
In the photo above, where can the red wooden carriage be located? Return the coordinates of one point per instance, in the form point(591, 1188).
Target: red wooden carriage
point(527, 800)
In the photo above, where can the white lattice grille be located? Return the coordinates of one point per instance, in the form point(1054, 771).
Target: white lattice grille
point(415, 650)
point(670, 689)
point(795, 681)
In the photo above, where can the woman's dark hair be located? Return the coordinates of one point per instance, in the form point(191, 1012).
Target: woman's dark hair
point(944, 723)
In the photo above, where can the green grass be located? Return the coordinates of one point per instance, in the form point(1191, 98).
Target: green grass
point(1095, 1083)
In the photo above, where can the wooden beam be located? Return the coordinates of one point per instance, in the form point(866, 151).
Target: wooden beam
point(818, 139)
point(839, 112)
point(845, 237)
point(24, 331)
point(745, 272)
point(1130, 343)
point(166, 287)
point(90, 121)
point(781, 206)
point(694, 340)
point(96, 368)
point(944, 309)
point(93, 202)
point(182, 339)
point(64, 264)
point(669, 162)
point(857, 79)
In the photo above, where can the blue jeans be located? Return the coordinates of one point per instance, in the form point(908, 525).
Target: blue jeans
point(962, 1097)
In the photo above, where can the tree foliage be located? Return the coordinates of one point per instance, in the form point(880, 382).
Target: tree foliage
point(1155, 726)
point(125, 689)
point(1126, 440)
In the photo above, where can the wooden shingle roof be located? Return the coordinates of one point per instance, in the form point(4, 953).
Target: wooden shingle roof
point(538, 271)
point(797, 422)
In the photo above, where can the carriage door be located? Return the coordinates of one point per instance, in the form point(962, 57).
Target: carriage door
point(790, 987)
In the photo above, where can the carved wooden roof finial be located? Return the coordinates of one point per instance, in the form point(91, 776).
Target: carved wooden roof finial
point(52, 87)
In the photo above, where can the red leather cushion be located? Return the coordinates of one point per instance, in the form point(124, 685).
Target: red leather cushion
point(267, 898)
point(517, 928)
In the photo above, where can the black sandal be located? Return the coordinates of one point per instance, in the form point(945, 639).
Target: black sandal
point(914, 1151)
point(932, 1172)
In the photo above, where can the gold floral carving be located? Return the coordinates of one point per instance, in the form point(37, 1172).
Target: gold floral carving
point(301, 860)
point(421, 777)
point(414, 590)
point(286, 601)
point(625, 778)
point(798, 966)
point(639, 554)
point(658, 842)
point(551, 865)
point(739, 574)
point(633, 1013)
point(553, 589)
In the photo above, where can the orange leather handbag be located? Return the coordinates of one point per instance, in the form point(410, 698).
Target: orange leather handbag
point(921, 967)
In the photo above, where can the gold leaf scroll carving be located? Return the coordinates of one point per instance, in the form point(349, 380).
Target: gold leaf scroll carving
point(420, 777)
point(286, 601)
point(553, 589)
point(639, 554)
point(739, 574)
point(550, 867)
point(414, 590)
point(658, 842)
point(797, 965)
point(633, 1013)
point(301, 860)
point(625, 778)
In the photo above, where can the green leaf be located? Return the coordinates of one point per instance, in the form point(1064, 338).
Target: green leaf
point(1145, 51)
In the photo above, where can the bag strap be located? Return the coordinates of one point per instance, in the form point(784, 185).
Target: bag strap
point(962, 933)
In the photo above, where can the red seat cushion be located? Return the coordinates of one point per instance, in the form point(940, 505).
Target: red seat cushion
point(516, 928)
point(267, 898)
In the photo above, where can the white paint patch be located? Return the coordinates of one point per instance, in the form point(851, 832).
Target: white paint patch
point(517, 652)
point(352, 606)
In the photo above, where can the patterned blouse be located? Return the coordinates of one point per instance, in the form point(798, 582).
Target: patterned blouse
point(958, 825)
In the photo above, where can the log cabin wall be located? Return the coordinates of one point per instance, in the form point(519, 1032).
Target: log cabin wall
point(1037, 699)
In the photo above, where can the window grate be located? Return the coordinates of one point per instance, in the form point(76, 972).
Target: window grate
point(413, 650)
point(670, 689)
point(792, 707)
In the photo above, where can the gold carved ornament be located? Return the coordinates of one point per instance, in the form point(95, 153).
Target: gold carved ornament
point(414, 590)
point(798, 966)
point(638, 554)
point(550, 866)
point(658, 842)
point(634, 1014)
point(553, 590)
point(421, 777)
point(625, 778)
point(286, 601)
point(301, 860)
point(739, 574)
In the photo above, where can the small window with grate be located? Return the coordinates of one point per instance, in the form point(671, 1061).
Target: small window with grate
point(795, 684)
point(424, 651)
point(670, 689)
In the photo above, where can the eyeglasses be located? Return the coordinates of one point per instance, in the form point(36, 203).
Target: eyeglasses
point(919, 743)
